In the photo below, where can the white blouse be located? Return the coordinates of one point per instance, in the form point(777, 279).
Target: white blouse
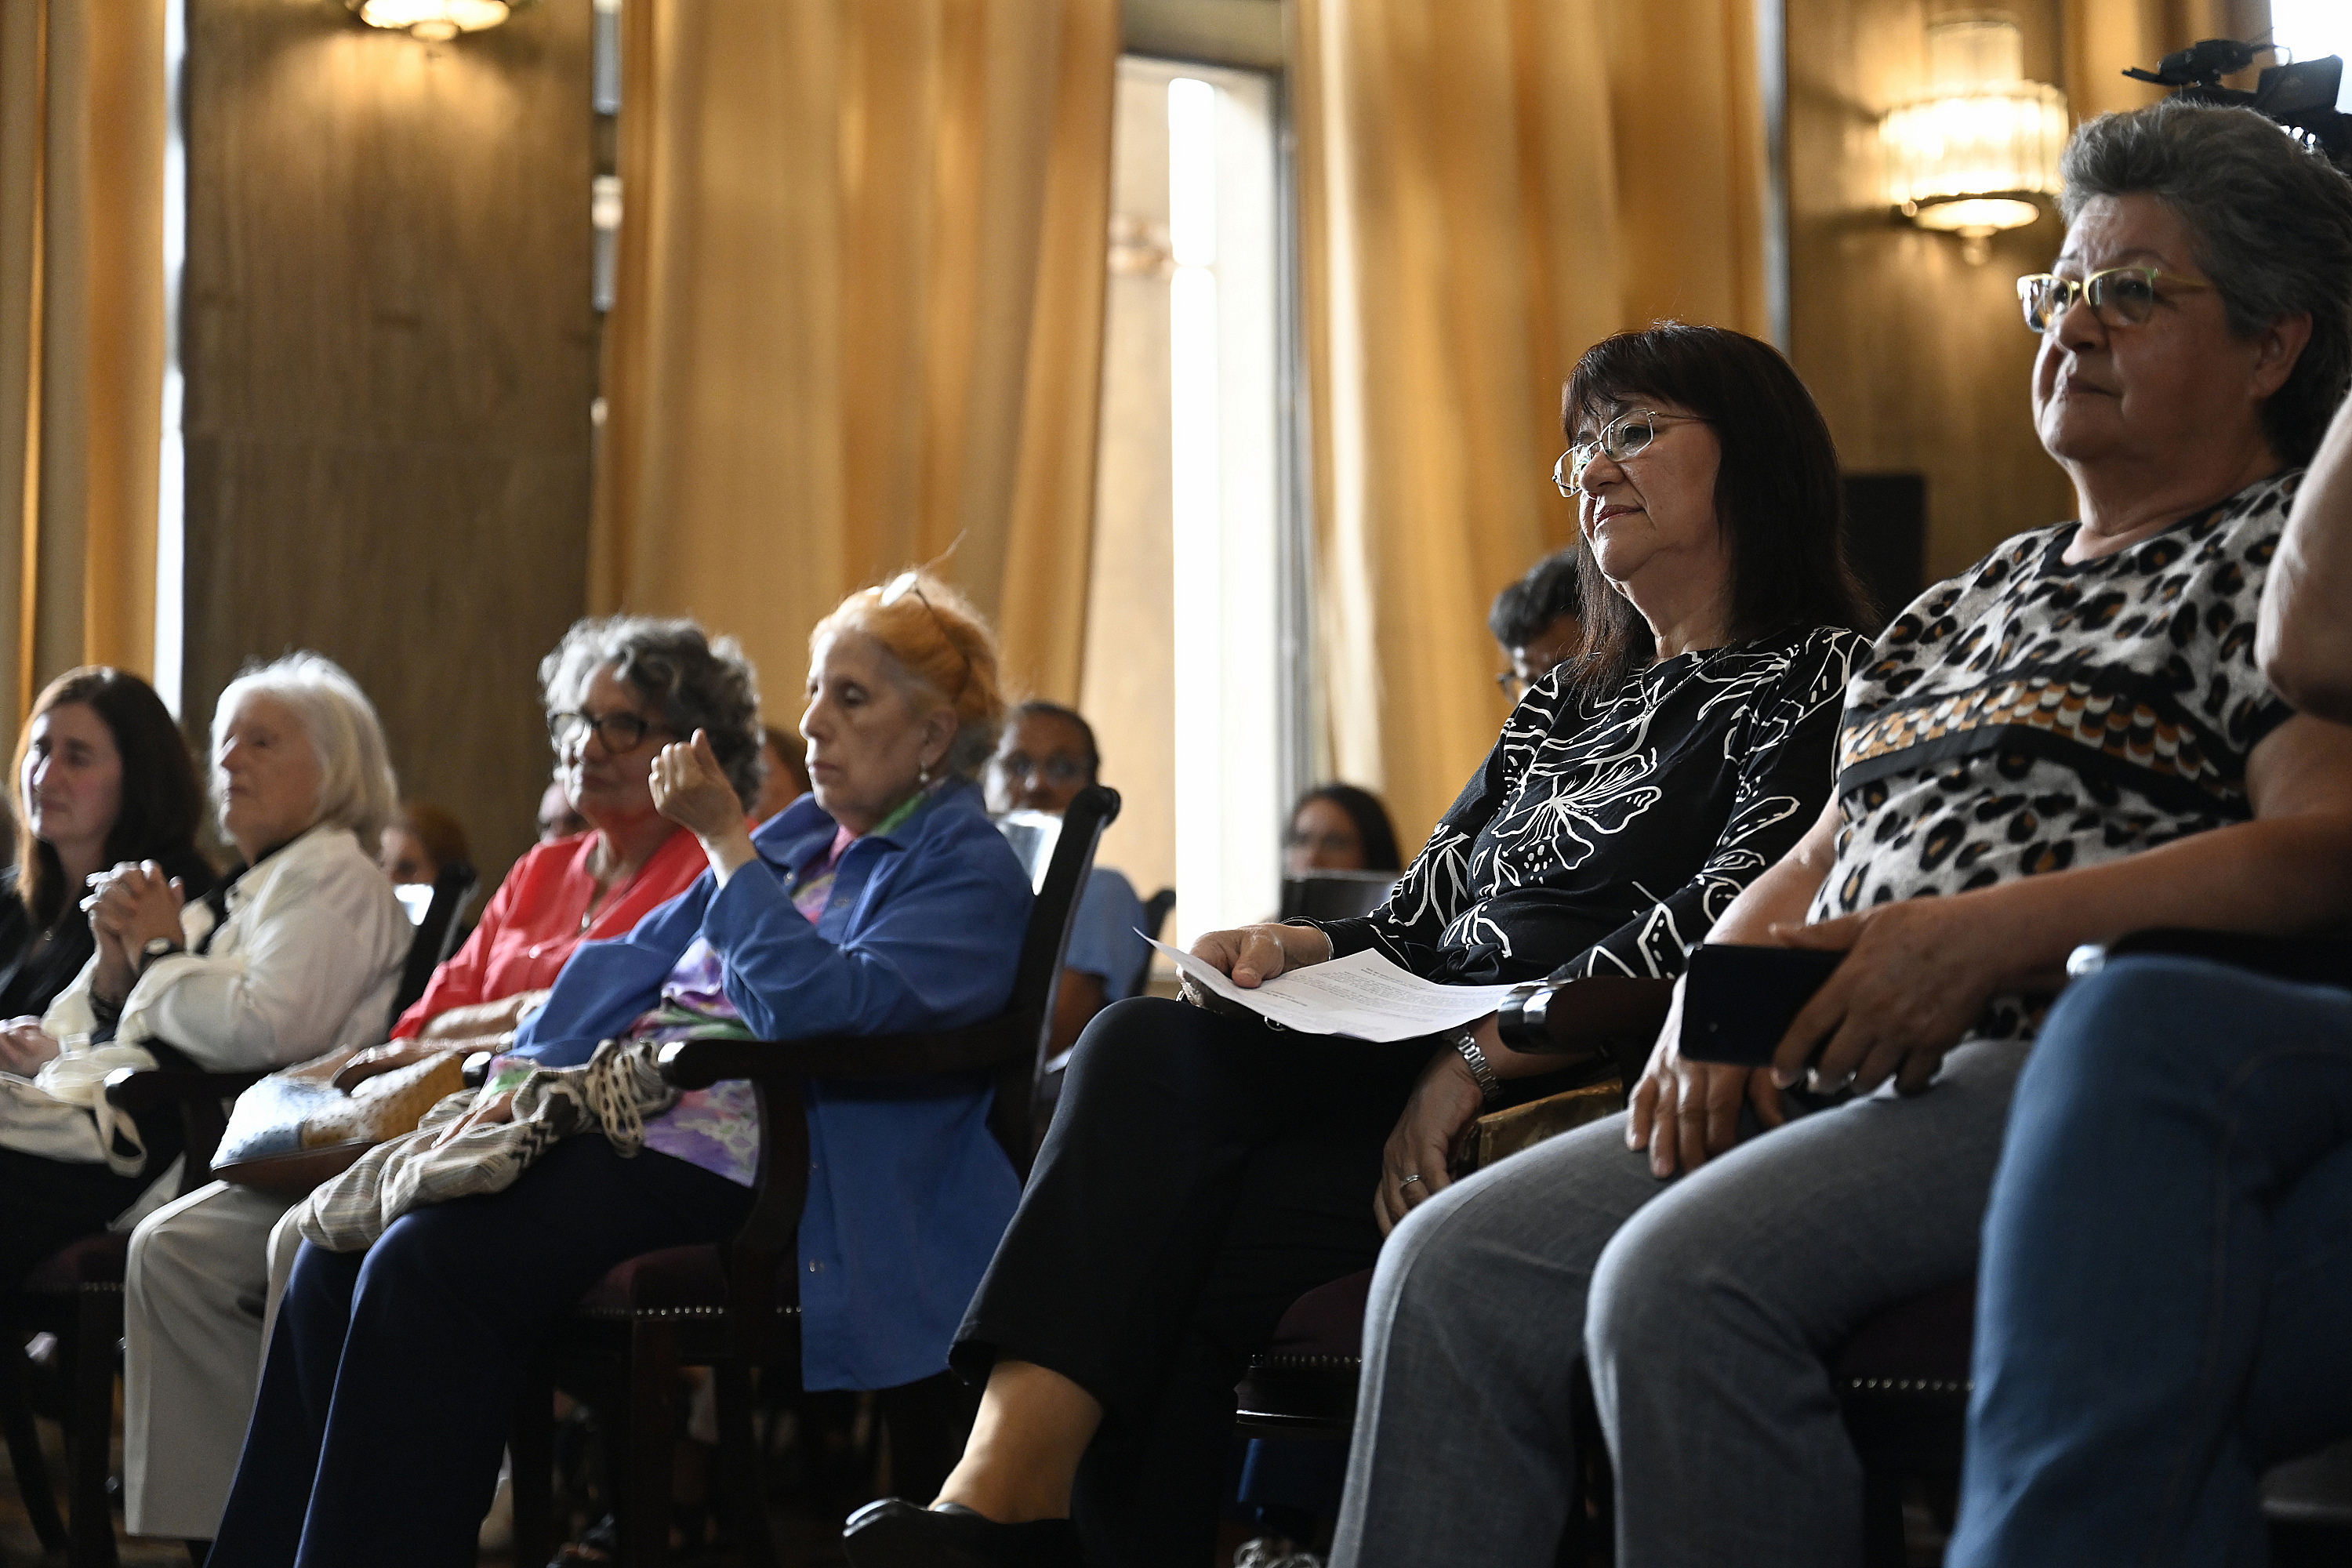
point(307, 962)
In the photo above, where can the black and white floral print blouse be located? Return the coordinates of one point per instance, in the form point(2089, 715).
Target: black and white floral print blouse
point(1605, 836)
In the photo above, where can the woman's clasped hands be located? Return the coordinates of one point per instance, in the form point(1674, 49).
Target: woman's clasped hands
point(129, 907)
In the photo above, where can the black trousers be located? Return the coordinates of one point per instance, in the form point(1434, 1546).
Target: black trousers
point(46, 1202)
point(1202, 1172)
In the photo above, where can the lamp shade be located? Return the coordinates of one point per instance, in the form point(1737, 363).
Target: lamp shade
point(1969, 157)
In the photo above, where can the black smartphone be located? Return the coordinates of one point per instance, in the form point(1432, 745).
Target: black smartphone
point(1740, 1001)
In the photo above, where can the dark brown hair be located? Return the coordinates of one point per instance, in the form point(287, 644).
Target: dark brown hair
point(1371, 817)
point(438, 828)
point(162, 801)
point(1777, 491)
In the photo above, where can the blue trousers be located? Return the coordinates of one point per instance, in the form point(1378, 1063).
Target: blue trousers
point(392, 1373)
point(2166, 1296)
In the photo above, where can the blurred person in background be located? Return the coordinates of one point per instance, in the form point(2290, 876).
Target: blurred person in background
point(1047, 755)
point(1537, 623)
point(558, 818)
point(426, 840)
point(1339, 827)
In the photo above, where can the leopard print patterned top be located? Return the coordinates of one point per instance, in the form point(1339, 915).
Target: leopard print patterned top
point(1605, 835)
point(2032, 714)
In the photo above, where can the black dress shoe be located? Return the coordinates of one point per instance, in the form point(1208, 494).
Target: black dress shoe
point(895, 1533)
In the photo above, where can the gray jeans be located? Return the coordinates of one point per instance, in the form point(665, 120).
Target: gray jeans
point(1713, 1302)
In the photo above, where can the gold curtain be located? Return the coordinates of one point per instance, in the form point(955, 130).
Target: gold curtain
point(860, 315)
point(1487, 189)
point(82, 121)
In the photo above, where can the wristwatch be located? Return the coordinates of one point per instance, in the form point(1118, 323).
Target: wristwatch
point(1489, 1086)
point(156, 947)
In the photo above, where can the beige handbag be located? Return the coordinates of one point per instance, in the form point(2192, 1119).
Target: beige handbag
point(295, 1128)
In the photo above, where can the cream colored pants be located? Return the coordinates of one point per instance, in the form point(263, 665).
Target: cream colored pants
point(194, 1317)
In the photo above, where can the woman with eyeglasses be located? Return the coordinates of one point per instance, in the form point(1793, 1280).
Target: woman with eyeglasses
point(884, 901)
point(1047, 755)
point(2068, 741)
point(1204, 1170)
point(616, 689)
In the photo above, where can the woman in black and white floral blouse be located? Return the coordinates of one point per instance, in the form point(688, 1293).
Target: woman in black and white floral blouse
point(1203, 1170)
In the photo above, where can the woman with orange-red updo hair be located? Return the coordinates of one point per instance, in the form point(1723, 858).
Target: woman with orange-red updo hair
point(882, 901)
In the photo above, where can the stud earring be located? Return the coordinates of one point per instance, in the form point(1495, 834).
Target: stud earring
point(923, 773)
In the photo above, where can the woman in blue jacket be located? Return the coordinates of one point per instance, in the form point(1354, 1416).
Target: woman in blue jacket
point(886, 902)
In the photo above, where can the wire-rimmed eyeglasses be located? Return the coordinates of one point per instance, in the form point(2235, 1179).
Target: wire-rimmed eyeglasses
point(1629, 434)
point(2118, 296)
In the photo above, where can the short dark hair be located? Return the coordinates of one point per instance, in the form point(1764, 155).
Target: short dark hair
point(1777, 491)
point(1524, 610)
point(1371, 817)
point(162, 800)
point(2272, 221)
point(1037, 709)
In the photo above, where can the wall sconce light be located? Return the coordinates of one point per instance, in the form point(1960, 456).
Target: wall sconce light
point(1970, 156)
point(434, 21)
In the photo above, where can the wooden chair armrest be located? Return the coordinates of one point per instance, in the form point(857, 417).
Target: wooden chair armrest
point(141, 1090)
point(699, 1064)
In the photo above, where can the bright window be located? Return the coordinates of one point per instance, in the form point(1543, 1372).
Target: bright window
point(2312, 28)
point(1190, 607)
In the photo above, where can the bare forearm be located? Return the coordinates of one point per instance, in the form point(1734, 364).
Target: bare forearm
point(2304, 640)
point(2278, 875)
point(1781, 896)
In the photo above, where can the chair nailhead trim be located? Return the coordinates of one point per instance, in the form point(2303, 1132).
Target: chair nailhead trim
point(1906, 1386)
point(617, 1314)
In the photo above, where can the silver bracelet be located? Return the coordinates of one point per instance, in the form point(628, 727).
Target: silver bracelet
point(1489, 1086)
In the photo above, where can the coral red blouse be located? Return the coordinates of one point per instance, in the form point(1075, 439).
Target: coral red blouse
point(539, 913)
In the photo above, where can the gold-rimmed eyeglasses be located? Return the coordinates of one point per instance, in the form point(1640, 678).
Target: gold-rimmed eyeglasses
point(2118, 296)
point(1624, 436)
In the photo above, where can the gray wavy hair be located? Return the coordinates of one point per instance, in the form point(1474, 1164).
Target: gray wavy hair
point(356, 787)
point(2272, 221)
point(691, 679)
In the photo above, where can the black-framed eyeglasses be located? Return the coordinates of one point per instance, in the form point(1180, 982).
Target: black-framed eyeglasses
point(1624, 436)
point(619, 731)
point(2118, 296)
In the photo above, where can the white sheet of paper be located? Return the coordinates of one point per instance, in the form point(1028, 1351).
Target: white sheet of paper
point(1362, 995)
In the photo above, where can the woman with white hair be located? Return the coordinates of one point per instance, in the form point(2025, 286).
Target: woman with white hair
point(298, 950)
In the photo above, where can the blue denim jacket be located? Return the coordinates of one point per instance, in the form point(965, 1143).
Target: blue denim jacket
point(907, 1191)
